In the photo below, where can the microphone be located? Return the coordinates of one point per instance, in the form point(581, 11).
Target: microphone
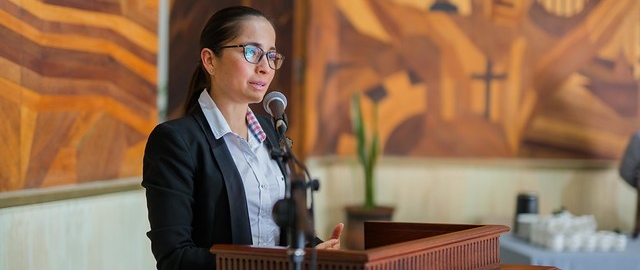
point(275, 103)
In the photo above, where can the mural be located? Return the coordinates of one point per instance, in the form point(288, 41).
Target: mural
point(79, 81)
point(77, 90)
point(501, 78)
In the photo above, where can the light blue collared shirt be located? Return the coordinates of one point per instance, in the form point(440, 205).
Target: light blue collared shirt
point(263, 181)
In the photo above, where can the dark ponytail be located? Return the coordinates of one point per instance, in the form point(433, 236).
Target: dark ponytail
point(221, 27)
point(199, 81)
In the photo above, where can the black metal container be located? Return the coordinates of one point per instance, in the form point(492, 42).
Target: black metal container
point(526, 203)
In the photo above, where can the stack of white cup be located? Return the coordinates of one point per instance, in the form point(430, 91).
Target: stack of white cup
point(566, 232)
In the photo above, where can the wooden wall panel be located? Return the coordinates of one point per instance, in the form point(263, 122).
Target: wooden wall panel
point(475, 78)
point(77, 90)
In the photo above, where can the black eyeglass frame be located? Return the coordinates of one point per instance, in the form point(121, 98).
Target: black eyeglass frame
point(244, 53)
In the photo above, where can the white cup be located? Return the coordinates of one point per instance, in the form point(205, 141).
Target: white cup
point(573, 242)
point(589, 242)
point(556, 242)
point(620, 242)
point(605, 241)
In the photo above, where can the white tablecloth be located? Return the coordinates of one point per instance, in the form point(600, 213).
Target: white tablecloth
point(514, 250)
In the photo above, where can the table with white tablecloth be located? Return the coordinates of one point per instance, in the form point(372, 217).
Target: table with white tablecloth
point(517, 251)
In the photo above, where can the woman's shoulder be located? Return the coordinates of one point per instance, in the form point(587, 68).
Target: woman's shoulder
point(185, 124)
point(183, 121)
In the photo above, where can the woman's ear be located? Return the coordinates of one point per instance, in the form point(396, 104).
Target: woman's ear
point(206, 56)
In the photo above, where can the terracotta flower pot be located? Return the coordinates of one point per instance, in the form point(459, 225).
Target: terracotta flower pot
point(356, 216)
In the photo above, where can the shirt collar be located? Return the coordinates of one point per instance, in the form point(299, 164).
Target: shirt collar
point(254, 126)
point(219, 125)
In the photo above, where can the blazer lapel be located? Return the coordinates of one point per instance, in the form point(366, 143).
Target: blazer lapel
point(272, 138)
point(240, 226)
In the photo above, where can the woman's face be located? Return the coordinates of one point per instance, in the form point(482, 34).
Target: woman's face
point(236, 81)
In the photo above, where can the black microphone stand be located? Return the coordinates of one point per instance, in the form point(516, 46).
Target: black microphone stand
point(291, 213)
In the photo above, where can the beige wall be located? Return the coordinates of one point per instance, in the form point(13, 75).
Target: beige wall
point(103, 232)
point(475, 191)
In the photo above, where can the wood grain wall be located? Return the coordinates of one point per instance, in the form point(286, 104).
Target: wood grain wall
point(476, 78)
point(77, 90)
point(459, 78)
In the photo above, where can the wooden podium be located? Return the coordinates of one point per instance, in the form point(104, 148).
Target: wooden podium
point(388, 245)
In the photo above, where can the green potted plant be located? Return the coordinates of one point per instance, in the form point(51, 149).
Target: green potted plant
point(368, 151)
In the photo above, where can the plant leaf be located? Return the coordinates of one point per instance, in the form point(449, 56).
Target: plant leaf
point(357, 123)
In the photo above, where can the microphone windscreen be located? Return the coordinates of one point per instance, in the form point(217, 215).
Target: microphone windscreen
point(273, 96)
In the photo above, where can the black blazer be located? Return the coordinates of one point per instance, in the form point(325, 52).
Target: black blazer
point(195, 195)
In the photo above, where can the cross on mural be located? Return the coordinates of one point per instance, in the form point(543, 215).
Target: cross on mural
point(488, 76)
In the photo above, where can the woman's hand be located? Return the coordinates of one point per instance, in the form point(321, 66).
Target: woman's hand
point(334, 242)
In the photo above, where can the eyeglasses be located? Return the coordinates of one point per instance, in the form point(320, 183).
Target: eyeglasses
point(253, 54)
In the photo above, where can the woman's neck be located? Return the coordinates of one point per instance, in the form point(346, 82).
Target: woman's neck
point(236, 117)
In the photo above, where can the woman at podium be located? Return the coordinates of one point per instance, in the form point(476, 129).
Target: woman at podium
point(208, 176)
